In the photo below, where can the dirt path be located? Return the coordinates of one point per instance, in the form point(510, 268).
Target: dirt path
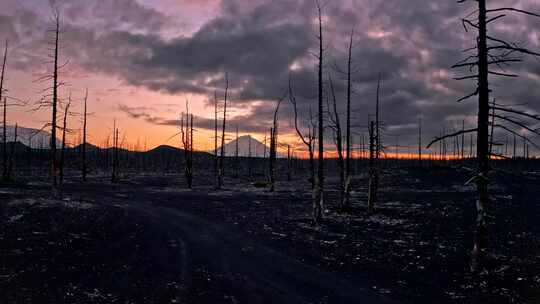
point(218, 263)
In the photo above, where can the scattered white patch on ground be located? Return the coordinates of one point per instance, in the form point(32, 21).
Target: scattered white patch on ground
point(384, 220)
point(66, 202)
point(14, 218)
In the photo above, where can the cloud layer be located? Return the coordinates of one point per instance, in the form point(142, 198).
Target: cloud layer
point(260, 44)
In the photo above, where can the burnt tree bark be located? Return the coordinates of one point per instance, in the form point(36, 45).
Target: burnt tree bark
point(63, 148)
point(4, 141)
point(334, 118)
point(348, 177)
point(222, 156)
point(318, 192)
point(10, 174)
point(489, 51)
point(216, 164)
point(83, 152)
point(54, 163)
point(273, 146)
point(4, 125)
point(308, 139)
point(373, 172)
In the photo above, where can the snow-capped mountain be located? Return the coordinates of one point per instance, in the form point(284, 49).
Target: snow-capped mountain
point(244, 143)
point(33, 138)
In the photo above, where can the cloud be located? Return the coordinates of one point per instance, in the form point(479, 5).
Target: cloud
point(412, 44)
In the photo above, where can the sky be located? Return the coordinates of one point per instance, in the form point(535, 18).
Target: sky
point(141, 60)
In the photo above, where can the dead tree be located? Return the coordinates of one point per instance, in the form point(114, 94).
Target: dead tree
point(50, 98)
point(273, 146)
point(83, 152)
point(216, 169)
point(249, 155)
point(4, 141)
point(222, 156)
point(114, 174)
point(420, 140)
point(63, 148)
point(54, 164)
point(187, 142)
point(348, 138)
point(338, 139)
point(373, 179)
point(236, 155)
point(4, 153)
point(186, 137)
point(289, 163)
point(489, 52)
point(318, 191)
point(375, 140)
point(308, 139)
point(10, 174)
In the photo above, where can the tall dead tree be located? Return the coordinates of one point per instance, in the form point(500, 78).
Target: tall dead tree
point(347, 186)
point(10, 174)
point(114, 174)
point(338, 139)
point(372, 183)
point(222, 156)
point(489, 52)
point(236, 155)
point(54, 164)
point(249, 156)
point(216, 164)
point(420, 140)
point(186, 136)
point(4, 152)
point(63, 148)
point(83, 152)
point(308, 139)
point(4, 141)
point(273, 146)
point(318, 192)
point(375, 140)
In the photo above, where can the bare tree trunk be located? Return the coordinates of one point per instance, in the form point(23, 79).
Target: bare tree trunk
point(375, 149)
point(4, 142)
point(63, 149)
point(222, 158)
point(514, 148)
point(318, 193)
point(310, 136)
point(249, 156)
point(463, 139)
point(236, 160)
point(289, 163)
point(271, 159)
point(420, 140)
point(372, 186)
point(54, 164)
point(84, 169)
point(273, 146)
point(347, 184)
point(482, 145)
point(115, 153)
point(4, 153)
point(339, 147)
point(216, 170)
point(187, 142)
point(10, 174)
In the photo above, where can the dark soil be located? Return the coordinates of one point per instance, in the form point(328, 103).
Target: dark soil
point(150, 240)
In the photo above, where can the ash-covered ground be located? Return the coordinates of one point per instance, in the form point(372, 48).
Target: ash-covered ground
point(148, 239)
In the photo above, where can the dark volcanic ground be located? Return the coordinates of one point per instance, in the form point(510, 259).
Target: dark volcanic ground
point(149, 240)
